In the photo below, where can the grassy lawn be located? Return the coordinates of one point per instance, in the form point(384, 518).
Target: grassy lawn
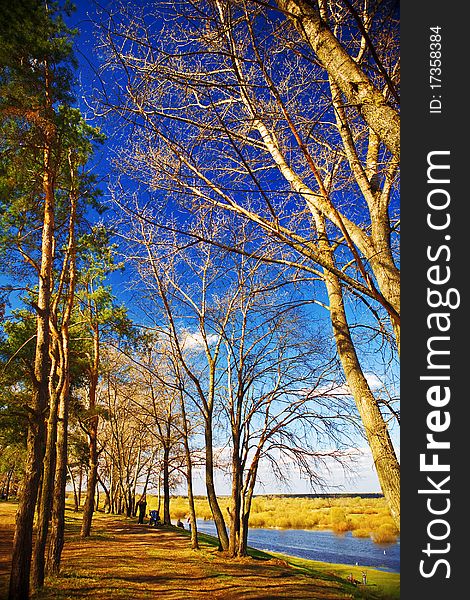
point(125, 560)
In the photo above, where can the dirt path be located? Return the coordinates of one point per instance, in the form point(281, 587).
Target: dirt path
point(125, 560)
point(6, 547)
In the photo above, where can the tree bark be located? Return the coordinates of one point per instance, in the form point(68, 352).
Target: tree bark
point(189, 478)
point(56, 542)
point(246, 509)
point(107, 503)
point(354, 84)
point(89, 506)
point(45, 501)
point(22, 541)
point(210, 487)
point(383, 452)
point(166, 484)
point(92, 439)
point(235, 500)
point(74, 485)
point(80, 483)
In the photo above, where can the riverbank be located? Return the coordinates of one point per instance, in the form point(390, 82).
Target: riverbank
point(125, 560)
point(321, 545)
point(363, 516)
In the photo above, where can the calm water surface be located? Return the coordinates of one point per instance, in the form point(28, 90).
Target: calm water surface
point(325, 546)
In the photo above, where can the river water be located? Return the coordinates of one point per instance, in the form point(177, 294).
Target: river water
point(321, 545)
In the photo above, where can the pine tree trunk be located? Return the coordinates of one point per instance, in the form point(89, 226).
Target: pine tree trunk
point(22, 541)
point(56, 542)
point(45, 500)
point(35, 448)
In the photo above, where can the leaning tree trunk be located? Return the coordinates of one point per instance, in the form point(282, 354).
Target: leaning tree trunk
point(74, 486)
point(357, 88)
point(22, 541)
point(189, 478)
point(210, 487)
point(383, 452)
point(380, 256)
point(7, 483)
point(107, 503)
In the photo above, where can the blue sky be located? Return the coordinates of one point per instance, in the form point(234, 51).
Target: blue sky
point(366, 479)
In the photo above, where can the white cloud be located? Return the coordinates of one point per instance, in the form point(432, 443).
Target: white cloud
point(374, 381)
point(194, 341)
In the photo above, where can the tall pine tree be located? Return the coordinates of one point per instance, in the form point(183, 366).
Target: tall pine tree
point(43, 143)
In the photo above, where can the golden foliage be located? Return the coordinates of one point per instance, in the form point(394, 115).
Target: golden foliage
point(363, 516)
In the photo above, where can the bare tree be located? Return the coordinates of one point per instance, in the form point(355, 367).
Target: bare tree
point(159, 404)
point(234, 110)
point(128, 447)
point(241, 342)
point(278, 392)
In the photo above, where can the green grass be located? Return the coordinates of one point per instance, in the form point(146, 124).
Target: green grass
point(380, 584)
point(383, 585)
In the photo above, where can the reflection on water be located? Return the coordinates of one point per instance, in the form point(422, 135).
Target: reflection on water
point(321, 545)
